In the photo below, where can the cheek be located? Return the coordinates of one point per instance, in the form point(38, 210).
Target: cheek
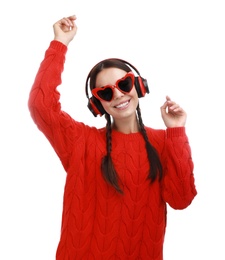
point(133, 93)
point(134, 98)
point(106, 105)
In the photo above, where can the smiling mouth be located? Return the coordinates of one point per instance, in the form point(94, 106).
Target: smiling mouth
point(122, 105)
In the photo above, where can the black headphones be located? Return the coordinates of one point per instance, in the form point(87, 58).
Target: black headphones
point(140, 84)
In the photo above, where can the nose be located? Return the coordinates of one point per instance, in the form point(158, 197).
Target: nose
point(117, 93)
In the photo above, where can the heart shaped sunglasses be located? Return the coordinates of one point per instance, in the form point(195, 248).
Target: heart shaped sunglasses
point(124, 85)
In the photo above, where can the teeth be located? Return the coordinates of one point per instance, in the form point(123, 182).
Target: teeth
point(122, 105)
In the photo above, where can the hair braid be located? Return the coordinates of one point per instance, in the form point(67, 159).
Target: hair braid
point(155, 164)
point(108, 170)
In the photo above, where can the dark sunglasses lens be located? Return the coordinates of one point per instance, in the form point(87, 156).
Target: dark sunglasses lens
point(105, 94)
point(126, 84)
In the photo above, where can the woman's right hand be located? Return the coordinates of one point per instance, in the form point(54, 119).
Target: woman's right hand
point(65, 29)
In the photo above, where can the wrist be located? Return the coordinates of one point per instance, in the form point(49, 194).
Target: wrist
point(63, 41)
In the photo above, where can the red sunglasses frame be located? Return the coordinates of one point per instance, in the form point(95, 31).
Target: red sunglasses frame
point(130, 74)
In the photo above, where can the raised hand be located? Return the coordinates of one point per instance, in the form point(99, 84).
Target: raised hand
point(172, 114)
point(65, 29)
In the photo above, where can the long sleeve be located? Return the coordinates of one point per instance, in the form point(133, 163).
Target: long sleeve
point(45, 107)
point(178, 183)
point(43, 94)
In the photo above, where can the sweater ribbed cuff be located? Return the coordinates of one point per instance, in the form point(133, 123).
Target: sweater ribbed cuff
point(175, 132)
point(58, 46)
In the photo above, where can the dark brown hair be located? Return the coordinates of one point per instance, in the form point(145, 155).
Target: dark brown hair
point(107, 166)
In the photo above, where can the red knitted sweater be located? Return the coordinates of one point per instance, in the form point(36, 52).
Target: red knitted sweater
point(98, 222)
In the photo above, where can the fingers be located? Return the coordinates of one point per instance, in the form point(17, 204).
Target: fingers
point(68, 21)
point(166, 104)
point(171, 106)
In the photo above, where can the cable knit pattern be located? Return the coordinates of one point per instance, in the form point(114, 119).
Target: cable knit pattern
point(98, 222)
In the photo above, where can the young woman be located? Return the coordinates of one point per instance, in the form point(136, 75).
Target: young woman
point(120, 178)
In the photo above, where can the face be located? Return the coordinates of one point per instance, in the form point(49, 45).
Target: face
point(122, 105)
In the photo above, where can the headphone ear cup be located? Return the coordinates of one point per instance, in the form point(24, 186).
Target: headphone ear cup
point(95, 107)
point(141, 86)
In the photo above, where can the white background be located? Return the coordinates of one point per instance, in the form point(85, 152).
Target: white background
point(179, 46)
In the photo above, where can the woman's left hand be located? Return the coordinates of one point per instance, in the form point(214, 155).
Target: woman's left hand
point(172, 114)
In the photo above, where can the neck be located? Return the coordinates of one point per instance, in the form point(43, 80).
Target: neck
point(126, 126)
